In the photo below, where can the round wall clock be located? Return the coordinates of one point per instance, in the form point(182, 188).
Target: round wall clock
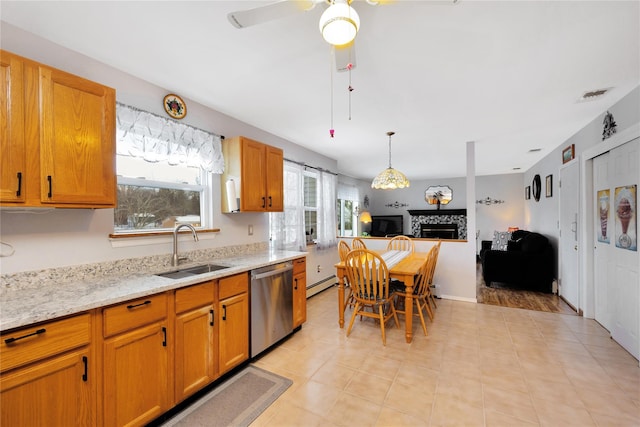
point(175, 106)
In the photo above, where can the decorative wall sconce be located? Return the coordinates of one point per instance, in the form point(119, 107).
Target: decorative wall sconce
point(489, 201)
point(396, 205)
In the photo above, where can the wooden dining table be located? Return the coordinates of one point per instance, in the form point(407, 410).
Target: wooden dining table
point(404, 271)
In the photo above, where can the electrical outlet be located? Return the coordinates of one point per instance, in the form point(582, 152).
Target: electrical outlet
point(319, 268)
point(250, 230)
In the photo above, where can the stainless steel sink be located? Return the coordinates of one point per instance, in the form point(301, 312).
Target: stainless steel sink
point(192, 271)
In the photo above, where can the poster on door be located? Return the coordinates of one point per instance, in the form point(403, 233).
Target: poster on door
point(625, 214)
point(603, 214)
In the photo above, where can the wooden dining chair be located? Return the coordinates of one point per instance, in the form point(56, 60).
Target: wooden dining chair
point(358, 243)
point(432, 298)
point(420, 294)
point(369, 278)
point(343, 250)
point(401, 243)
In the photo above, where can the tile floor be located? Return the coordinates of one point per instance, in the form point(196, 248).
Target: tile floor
point(481, 365)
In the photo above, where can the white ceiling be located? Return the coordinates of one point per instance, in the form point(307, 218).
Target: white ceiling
point(505, 74)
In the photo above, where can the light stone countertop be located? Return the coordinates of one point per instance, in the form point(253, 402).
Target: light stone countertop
point(26, 305)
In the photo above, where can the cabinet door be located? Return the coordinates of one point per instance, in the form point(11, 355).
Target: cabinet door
point(253, 196)
point(77, 140)
point(195, 351)
point(299, 299)
point(136, 376)
point(274, 179)
point(233, 331)
point(12, 143)
point(55, 392)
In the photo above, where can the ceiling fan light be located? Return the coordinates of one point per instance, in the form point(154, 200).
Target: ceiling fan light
point(339, 23)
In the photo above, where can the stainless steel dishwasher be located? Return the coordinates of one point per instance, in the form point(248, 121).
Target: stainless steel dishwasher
point(271, 305)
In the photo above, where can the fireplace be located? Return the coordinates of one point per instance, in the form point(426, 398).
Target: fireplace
point(439, 231)
point(450, 224)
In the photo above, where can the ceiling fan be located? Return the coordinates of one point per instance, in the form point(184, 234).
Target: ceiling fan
point(338, 13)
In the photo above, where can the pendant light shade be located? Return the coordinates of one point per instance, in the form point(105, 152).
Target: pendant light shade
point(390, 178)
point(339, 23)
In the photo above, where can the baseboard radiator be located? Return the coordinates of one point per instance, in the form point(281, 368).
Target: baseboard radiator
point(321, 285)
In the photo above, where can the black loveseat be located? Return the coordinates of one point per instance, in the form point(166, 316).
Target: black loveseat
point(528, 262)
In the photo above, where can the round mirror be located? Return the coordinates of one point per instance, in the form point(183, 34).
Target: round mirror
point(536, 186)
point(438, 195)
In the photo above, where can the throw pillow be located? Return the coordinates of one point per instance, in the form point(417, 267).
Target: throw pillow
point(500, 240)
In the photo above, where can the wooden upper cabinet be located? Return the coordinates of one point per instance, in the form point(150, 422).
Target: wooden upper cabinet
point(12, 144)
point(257, 173)
point(77, 128)
point(66, 137)
point(275, 179)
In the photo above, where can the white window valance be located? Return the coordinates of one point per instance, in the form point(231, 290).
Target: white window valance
point(158, 139)
point(348, 192)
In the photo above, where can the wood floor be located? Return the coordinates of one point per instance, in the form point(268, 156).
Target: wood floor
point(503, 295)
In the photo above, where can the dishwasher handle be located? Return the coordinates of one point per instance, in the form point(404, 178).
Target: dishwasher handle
point(270, 273)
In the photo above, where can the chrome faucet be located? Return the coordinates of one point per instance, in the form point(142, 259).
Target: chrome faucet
point(176, 259)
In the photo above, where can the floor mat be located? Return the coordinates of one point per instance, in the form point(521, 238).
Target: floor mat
point(236, 402)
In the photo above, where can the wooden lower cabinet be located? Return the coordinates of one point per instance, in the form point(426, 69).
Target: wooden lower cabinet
point(196, 355)
point(55, 392)
point(48, 374)
point(299, 292)
point(233, 323)
point(136, 376)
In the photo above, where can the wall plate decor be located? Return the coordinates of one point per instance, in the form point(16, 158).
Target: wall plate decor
point(536, 185)
point(568, 153)
point(527, 192)
point(548, 188)
point(174, 106)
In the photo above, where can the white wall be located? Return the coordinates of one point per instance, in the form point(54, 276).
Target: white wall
point(542, 216)
point(62, 237)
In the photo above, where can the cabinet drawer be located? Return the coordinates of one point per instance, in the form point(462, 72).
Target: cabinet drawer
point(299, 265)
point(194, 296)
point(233, 285)
point(134, 313)
point(37, 342)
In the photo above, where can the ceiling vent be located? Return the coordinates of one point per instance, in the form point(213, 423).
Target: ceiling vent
point(593, 94)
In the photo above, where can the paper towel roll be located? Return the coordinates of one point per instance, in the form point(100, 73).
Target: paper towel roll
point(232, 201)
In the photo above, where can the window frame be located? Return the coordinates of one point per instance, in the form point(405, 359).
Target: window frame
point(206, 199)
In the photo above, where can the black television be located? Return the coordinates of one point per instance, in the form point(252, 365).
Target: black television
point(386, 225)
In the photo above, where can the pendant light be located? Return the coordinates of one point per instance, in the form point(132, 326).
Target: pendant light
point(390, 178)
point(339, 23)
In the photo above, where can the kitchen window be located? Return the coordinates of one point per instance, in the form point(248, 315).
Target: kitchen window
point(164, 172)
point(310, 206)
point(346, 205)
point(309, 214)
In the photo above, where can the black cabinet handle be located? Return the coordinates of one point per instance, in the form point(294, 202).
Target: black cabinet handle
point(224, 312)
point(130, 306)
point(164, 332)
point(50, 194)
point(264, 202)
point(85, 376)
point(212, 317)
point(19, 184)
point(38, 332)
point(270, 204)
point(295, 286)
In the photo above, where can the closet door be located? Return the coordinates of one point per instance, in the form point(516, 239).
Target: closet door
point(624, 275)
point(602, 230)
